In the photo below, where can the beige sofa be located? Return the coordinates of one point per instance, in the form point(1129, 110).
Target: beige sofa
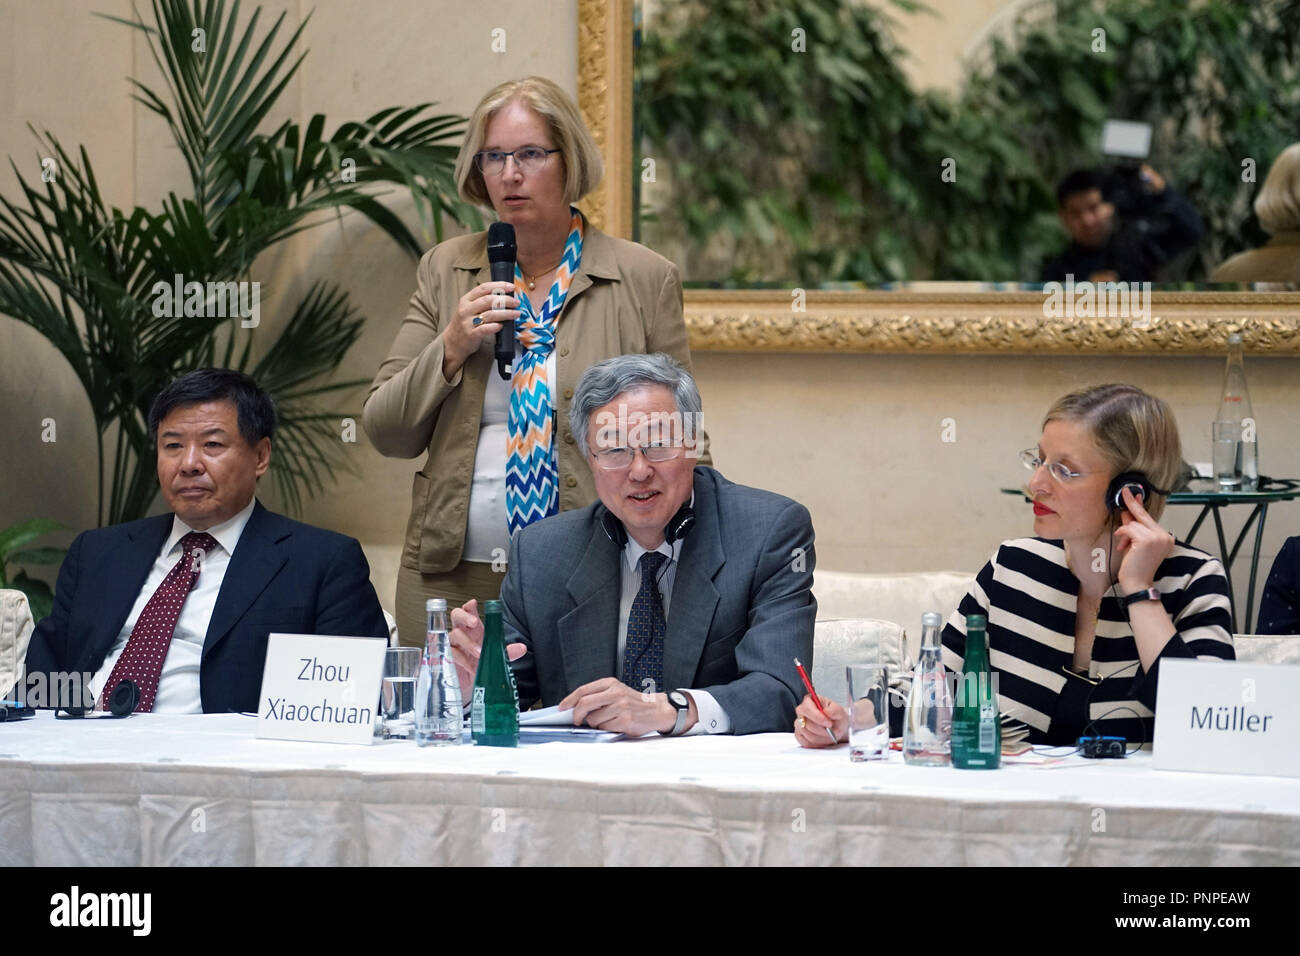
point(902, 598)
point(844, 596)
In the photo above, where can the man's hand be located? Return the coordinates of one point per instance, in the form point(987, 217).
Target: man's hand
point(611, 705)
point(1154, 182)
point(467, 644)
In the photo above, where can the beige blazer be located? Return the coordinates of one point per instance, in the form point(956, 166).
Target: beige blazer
point(1276, 262)
point(625, 299)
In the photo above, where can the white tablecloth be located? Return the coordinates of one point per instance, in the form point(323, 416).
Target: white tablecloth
point(201, 790)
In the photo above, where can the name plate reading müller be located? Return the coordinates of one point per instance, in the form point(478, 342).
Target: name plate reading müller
point(321, 688)
point(1227, 717)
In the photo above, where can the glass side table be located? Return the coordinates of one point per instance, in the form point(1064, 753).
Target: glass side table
point(1206, 493)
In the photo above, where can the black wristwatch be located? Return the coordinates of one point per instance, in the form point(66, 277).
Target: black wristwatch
point(1128, 600)
point(682, 704)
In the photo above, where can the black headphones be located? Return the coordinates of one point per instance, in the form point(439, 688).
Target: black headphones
point(678, 527)
point(1134, 481)
point(121, 703)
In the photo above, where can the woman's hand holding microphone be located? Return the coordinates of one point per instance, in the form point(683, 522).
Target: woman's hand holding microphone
point(479, 315)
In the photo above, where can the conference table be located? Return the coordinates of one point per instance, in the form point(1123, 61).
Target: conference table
point(201, 790)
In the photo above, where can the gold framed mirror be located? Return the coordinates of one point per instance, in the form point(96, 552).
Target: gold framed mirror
point(948, 322)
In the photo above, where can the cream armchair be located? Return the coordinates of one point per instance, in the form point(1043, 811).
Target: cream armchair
point(1267, 648)
point(901, 598)
point(865, 617)
point(856, 641)
point(16, 627)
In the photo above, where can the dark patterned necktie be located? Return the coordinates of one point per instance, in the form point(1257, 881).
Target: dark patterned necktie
point(643, 653)
point(142, 659)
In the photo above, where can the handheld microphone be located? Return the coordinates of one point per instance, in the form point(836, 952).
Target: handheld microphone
point(501, 260)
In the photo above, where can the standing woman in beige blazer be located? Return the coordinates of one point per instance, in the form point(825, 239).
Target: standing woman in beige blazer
point(499, 455)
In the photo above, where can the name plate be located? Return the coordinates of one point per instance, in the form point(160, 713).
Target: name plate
point(1227, 717)
point(321, 688)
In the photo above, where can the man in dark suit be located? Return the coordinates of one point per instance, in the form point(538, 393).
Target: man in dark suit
point(679, 601)
point(182, 603)
point(1279, 608)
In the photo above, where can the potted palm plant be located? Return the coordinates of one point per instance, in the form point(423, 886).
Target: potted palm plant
point(85, 274)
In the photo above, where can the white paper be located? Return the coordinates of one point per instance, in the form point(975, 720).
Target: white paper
point(546, 717)
point(573, 735)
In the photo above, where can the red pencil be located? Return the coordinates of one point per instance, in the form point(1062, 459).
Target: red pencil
point(803, 675)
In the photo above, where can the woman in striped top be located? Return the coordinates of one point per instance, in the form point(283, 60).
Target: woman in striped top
point(1081, 615)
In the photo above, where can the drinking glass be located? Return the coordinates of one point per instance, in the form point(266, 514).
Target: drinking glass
point(1227, 454)
point(868, 711)
point(397, 699)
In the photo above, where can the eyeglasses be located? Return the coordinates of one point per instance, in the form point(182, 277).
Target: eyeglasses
point(1029, 458)
point(492, 162)
point(613, 459)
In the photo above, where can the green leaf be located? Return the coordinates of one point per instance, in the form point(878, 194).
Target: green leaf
point(39, 596)
point(37, 556)
point(18, 535)
point(83, 273)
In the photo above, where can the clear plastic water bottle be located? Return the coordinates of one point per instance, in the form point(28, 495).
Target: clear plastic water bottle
point(438, 703)
point(928, 720)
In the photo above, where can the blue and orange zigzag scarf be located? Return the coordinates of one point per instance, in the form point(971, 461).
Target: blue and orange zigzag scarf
point(532, 476)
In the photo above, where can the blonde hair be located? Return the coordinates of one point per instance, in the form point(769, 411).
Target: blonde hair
point(1278, 202)
point(1132, 430)
point(584, 168)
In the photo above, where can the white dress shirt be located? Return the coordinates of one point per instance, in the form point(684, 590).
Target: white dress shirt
point(712, 718)
point(178, 687)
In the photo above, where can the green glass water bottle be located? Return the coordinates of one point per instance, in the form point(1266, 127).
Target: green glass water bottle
point(976, 729)
point(494, 710)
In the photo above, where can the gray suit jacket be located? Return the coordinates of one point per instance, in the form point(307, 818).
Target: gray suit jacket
point(742, 605)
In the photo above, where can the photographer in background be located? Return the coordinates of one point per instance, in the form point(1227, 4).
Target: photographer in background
point(1126, 224)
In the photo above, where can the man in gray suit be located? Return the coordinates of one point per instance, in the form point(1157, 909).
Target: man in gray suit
point(679, 601)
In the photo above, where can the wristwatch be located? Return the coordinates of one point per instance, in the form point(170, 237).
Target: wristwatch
point(1128, 600)
point(682, 704)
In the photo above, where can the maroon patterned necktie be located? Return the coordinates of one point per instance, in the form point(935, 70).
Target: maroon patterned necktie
point(142, 659)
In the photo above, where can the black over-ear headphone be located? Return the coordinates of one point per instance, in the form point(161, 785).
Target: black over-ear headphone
point(678, 527)
point(121, 703)
point(1134, 481)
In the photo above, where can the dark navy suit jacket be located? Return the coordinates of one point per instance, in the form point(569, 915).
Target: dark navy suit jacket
point(1279, 608)
point(284, 576)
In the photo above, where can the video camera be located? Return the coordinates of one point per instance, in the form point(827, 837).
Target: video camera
point(1128, 145)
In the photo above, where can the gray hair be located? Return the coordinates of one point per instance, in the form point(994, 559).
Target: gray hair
point(605, 381)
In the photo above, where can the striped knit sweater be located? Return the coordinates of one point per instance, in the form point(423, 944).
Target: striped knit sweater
point(1030, 598)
